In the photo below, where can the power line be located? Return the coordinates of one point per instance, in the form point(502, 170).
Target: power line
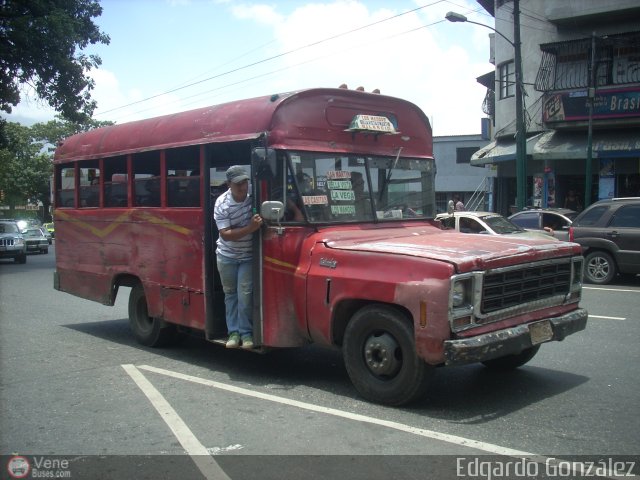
point(343, 50)
point(312, 44)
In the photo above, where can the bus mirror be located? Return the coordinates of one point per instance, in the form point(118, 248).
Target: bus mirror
point(272, 211)
point(264, 161)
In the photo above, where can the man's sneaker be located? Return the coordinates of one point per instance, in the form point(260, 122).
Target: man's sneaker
point(234, 340)
point(247, 342)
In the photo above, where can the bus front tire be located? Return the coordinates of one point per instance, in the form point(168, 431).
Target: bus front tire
point(149, 331)
point(380, 357)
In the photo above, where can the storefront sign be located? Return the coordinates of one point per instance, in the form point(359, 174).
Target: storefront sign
point(573, 106)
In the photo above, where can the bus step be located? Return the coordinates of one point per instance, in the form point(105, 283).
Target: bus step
point(223, 341)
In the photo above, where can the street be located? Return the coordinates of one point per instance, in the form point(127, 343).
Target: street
point(77, 387)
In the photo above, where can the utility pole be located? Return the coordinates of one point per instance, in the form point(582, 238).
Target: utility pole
point(521, 134)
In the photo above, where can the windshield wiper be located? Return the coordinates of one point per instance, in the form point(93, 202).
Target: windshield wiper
point(388, 178)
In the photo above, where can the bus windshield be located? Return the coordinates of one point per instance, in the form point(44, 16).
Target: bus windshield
point(347, 188)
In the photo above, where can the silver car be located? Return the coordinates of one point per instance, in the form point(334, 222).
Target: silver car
point(12, 244)
point(487, 223)
point(36, 240)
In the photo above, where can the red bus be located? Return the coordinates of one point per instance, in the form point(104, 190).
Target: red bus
point(349, 255)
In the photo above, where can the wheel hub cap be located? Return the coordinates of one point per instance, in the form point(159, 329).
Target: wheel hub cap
point(380, 354)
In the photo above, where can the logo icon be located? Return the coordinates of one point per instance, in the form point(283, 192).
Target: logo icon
point(18, 467)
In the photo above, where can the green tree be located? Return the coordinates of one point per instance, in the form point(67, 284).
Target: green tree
point(41, 43)
point(26, 155)
point(50, 133)
point(24, 169)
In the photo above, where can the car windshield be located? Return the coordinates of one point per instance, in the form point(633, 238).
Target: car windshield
point(9, 228)
point(501, 225)
point(336, 188)
point(32, 232)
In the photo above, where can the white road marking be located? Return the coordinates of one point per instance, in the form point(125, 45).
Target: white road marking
point(611, 289)
point(607, 318)
point(574, 467)
point(487, 447)
point(199, 454)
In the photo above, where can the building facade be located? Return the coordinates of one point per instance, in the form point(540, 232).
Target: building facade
point(581, 83)
point(456, 176)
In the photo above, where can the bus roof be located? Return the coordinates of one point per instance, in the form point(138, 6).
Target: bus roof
point(289, 119)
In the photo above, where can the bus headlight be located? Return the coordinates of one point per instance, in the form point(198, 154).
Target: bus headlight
point(461, 302)
point(461, 295)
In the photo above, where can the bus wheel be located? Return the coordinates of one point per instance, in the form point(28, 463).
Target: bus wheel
point(380, 357)
point(509, 362)
point(149, 331)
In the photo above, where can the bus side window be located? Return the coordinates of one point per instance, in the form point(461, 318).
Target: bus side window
point(183, 191)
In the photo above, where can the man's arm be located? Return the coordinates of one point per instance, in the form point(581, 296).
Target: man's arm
point(233, 234)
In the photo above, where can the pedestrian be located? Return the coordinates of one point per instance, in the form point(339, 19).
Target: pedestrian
point(572, 201)
point(234, 255)
point(458, 205)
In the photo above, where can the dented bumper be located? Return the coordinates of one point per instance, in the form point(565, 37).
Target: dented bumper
point(513, 340)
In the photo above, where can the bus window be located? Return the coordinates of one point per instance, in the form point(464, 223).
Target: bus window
point(146, 178)
point(115, 182)
point(89, 184)
point(66, 188)
point(183, 177)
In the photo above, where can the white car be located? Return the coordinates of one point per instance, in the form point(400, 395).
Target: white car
point(487, 223)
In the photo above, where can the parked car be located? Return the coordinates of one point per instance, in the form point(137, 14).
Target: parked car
point(36, 240)
point(487, 223)
point(553, 220)
point(609, 232)
point(12, 244)
point(50, 227)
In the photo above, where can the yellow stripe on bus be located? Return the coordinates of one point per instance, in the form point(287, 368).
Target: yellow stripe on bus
point(103, 232)
point(275, 261)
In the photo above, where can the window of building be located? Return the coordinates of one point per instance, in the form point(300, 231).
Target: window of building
point(463, 154)
point(507, 72)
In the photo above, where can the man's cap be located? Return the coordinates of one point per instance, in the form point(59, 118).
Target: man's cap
point(237, 174)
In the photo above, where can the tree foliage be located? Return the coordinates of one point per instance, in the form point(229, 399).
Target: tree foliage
point(26, 155)
point(24, 169)
point(41, 43)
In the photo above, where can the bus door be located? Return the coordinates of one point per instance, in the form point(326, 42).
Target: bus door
point(280, 292)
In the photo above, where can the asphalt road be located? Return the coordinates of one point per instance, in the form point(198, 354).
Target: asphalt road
point(76, 388)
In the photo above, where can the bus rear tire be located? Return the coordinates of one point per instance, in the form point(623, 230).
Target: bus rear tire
point(380, 357)
point(149, 331)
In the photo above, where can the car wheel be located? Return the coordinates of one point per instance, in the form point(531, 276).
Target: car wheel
point(46, 250)
point(600, 267)
point(149, 331)
point(509, 362)
point(380, 357)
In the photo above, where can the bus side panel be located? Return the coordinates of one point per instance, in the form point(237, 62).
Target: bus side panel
point(83, 284)
point(283, 325)
point(159, 247)
point(183, 306)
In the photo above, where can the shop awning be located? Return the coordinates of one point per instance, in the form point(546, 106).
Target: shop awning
point(501, 151)
point(559, 145)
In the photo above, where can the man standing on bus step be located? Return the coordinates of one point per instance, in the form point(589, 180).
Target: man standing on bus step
point(236, 224)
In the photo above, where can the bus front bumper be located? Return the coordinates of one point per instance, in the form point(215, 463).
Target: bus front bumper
point(514, 340)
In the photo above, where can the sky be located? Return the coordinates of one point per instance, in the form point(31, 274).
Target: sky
point(167, 56)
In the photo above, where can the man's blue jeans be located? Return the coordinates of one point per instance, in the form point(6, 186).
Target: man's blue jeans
point(237, 284)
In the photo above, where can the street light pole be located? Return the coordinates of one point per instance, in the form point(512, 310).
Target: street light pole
point(521, 137)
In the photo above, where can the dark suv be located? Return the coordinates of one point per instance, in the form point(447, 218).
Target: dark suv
point(609, 232)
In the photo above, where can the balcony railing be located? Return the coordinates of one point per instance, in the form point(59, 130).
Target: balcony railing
point(566, 65)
